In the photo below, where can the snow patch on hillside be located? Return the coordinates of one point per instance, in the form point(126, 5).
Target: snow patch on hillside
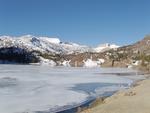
point(47, 62)
point(92, 63)
point(104, 47)
point(66, 63)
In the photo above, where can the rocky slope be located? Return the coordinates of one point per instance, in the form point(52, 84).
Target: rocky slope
point(136, 55)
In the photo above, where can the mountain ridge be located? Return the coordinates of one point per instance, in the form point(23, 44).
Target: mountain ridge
point(54, 52)
point(45, 45)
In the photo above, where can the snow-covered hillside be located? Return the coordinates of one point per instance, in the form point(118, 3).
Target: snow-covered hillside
point(104, 47)
point(45, 50)
point(52, 45)
point(42, 44)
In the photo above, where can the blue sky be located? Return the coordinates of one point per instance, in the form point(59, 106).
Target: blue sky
point(88, 22)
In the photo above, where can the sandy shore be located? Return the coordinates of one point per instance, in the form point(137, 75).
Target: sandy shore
point(133, 100)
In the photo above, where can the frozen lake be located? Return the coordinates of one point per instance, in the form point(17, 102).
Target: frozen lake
point(34, 89)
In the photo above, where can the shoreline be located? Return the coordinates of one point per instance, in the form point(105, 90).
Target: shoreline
point(89, 104)
point(85, 105)
point(109, 104)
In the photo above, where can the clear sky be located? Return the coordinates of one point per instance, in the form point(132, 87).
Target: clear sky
point(88, 22)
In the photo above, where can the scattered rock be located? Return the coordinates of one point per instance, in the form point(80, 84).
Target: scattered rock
point(131, 93)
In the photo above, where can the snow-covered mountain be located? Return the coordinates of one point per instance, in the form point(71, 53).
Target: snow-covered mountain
point(52, 45)
point(42, 44)
point(104, 47)
point(32, 49)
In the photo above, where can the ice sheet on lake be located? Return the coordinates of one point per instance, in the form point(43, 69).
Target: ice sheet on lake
point(28, 88)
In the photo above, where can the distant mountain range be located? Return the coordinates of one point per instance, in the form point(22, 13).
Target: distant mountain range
point(49, 45)
point(41, 48)
point(51, 51)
